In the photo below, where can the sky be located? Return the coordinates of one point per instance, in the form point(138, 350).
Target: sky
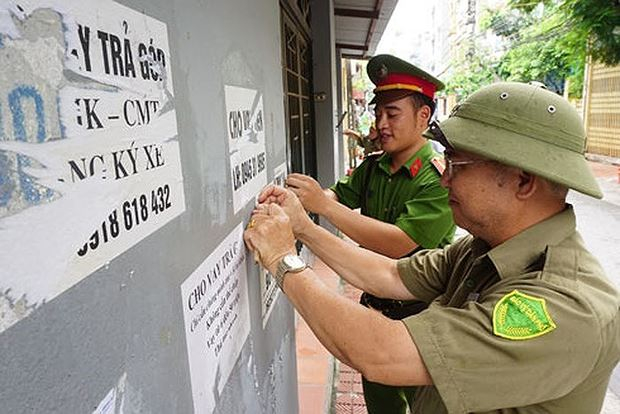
point(408, 31)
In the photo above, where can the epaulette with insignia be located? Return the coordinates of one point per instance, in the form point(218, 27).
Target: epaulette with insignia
point(415, 167)
point(439, 163)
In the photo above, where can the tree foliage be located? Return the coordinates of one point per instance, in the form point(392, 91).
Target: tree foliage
point(470, 74)
point(596, 22)
point(547, 51)
point(547, 41)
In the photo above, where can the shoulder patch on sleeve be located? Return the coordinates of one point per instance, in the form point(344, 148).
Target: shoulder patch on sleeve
point(439, 164)
point(518, 316)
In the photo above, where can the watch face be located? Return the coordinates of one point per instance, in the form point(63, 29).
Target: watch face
point(293, 262)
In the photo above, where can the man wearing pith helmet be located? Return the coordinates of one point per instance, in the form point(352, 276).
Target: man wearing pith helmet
point(403, 205)
point(522, 318)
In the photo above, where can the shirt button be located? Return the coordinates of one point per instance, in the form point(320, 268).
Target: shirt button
point(389, 180)
point(469, 283)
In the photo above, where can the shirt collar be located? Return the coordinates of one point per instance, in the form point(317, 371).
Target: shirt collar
point(424, 153)
point(519, 252)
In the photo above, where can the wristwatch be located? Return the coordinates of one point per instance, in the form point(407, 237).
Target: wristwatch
point(289, 263)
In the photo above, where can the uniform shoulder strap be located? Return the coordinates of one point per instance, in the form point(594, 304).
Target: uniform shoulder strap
point(439, 164)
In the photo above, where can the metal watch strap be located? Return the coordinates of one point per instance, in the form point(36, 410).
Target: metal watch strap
point(283, 269)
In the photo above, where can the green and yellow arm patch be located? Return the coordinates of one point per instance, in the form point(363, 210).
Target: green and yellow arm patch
point(518, 316)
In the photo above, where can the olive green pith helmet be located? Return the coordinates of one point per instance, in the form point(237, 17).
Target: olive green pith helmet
point(527, 127)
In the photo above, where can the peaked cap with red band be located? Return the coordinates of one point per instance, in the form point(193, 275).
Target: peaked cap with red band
point(394, 79)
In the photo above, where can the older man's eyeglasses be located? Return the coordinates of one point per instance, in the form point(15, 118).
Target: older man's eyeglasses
point(452, 166)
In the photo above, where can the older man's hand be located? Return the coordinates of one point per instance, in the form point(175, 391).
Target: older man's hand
point(290, 204)
point(309, 192)
point(269, 235)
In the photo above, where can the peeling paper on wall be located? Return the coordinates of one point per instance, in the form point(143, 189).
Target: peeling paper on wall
point(120, 399)
point(89, 151)
point(246, 143)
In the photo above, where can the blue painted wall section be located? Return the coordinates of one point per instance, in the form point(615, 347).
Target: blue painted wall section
point(15, 103)
point(63, 129)
point(33, 193)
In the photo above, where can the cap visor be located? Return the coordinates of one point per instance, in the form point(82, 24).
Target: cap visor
point(385, 97)
point(537, 157)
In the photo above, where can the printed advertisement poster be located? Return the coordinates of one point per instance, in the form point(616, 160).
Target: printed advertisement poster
point(89, 150)
point(268, 287)
point(217, 319)
point(246, 143)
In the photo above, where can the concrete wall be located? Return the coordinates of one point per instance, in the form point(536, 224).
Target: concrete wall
point(114, 339)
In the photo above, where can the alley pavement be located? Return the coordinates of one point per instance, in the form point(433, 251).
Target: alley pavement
point(598, 221)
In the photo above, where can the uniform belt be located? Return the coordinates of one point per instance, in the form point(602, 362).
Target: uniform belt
point(392, 308)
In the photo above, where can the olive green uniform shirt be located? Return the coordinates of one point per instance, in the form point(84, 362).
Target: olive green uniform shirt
point(411, 198)
point(565, 370)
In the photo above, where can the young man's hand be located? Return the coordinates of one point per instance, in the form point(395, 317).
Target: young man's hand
point(289, 203)
point(309, 192)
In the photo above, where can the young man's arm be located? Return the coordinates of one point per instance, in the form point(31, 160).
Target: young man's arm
point(384, 238)
point(368, 271)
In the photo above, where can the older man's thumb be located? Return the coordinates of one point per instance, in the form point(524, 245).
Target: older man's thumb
point(275, 210)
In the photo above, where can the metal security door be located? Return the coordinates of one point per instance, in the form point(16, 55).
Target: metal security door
point(297, 73)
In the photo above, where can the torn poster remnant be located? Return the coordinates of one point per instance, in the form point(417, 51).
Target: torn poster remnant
point(89, 150)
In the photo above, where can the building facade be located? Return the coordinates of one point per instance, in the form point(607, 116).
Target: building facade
point(601, 109)
point(134, 138)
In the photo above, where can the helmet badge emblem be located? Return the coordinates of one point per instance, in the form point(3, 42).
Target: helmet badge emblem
point(383, 71)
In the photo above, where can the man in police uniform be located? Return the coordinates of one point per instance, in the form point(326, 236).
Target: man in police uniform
point(522, 318)
point(369, 143)
point(403, 205)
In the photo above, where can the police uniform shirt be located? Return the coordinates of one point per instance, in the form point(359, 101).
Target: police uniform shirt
point(529, 326)
point(410, 198)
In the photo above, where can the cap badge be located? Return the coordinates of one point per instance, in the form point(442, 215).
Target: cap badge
point(383, 71)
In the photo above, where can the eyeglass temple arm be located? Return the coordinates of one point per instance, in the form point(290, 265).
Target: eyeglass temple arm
point(439, 136)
